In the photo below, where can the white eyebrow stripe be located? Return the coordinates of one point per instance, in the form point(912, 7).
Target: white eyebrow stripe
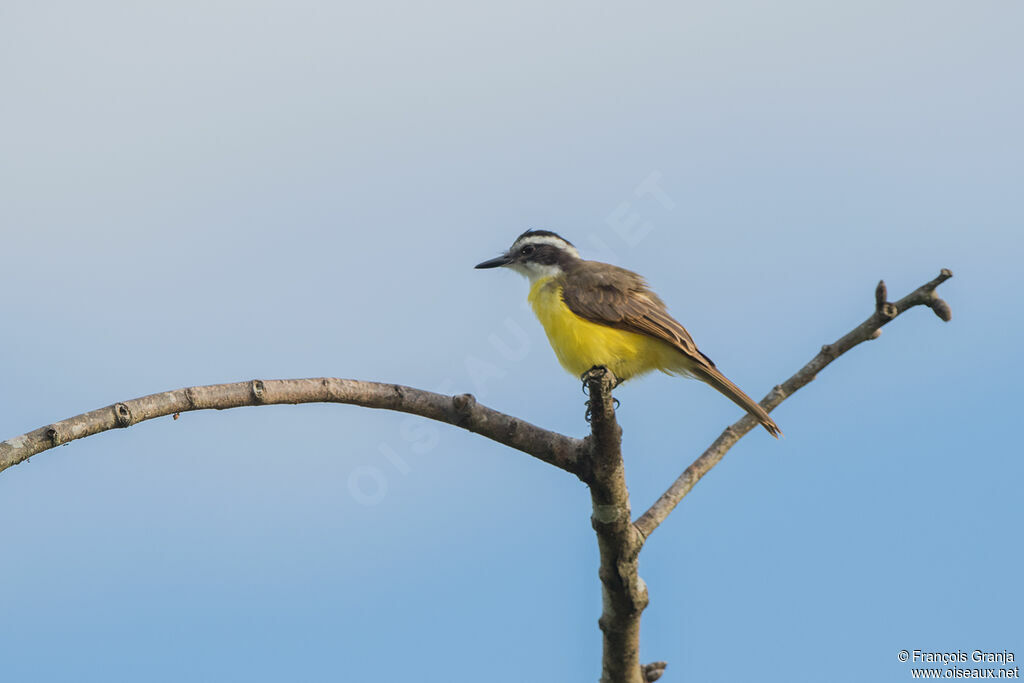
point(547, 239)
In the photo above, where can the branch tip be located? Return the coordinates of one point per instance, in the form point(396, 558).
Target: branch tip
point(942, 309)
point(653, 671)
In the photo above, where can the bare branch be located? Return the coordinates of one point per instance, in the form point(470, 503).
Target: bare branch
point(625, 595)
point(462, 411)
point(870, 329)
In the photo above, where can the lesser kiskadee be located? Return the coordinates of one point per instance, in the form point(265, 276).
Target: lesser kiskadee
point(600, 315)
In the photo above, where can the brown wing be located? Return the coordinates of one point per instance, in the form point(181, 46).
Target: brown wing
point(613, 296)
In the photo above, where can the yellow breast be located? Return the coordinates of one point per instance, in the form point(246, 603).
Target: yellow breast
point(581, 344)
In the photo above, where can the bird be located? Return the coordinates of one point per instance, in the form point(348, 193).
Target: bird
point(600, 315)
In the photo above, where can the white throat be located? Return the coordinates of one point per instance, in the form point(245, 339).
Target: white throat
point(536, 271)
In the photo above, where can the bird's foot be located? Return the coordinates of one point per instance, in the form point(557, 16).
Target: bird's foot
point(599, 372)
point(596, 372)
point(589, 415)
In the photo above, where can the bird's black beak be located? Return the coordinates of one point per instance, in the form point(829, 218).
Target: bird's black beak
point(502, 260)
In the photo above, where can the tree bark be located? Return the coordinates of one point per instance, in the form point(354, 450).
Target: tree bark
point(624, 595)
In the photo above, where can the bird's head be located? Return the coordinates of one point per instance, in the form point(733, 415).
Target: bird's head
point(536, 254)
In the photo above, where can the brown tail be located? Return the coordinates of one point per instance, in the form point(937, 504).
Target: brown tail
point(719, 381)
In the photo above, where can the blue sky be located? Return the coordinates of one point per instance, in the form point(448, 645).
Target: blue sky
point(197, 193)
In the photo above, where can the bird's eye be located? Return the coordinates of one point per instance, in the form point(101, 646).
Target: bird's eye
point(527, 250)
